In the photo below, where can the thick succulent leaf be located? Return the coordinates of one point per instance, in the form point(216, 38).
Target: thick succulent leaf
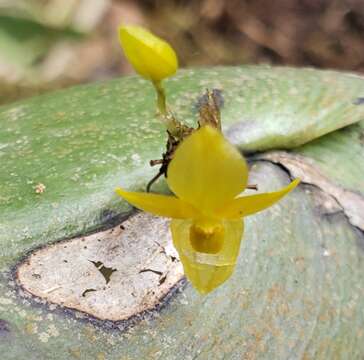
point(333, 163)
point(340, 156)
point(55, 138)
point(293, 106)
point(302, 272)
point(297, 288)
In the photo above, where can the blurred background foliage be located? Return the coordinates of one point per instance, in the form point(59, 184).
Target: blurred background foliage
point(49, 44)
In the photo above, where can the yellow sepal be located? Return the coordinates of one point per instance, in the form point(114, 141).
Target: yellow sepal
point(207, 171)
point(247, 205)
point(151, 57)
point(161, 205)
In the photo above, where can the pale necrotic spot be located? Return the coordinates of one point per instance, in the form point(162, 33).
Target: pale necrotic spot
point(106, 274)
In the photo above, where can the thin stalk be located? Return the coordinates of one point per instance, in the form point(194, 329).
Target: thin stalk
point(161, 97)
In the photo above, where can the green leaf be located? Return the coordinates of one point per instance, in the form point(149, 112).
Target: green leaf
point(297, 290)
point(340, 156)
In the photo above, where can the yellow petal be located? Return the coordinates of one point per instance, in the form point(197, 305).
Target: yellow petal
point(161, 205)
point(248, 205)
point(207, 171)
point(207, 270)
point(152, 57)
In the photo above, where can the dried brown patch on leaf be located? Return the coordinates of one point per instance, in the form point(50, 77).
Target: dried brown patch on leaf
point(351, 203)
point(111, 275)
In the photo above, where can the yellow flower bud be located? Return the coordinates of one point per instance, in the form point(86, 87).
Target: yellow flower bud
point(151, 57)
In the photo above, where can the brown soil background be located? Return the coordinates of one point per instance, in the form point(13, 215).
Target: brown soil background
point(317, 33)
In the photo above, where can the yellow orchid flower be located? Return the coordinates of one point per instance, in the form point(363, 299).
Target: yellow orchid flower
point(206, 174)
point(152, 57)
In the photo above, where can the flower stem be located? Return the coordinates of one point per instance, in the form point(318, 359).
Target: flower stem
point(161, 97)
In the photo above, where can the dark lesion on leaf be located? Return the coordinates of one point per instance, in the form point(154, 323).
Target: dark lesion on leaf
point(361, 138)
point(4, 328)
point(151, 270)
point(162, 280)
point(87, 291)
point(105, 271)
point(162, 277)
point(359, 101)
